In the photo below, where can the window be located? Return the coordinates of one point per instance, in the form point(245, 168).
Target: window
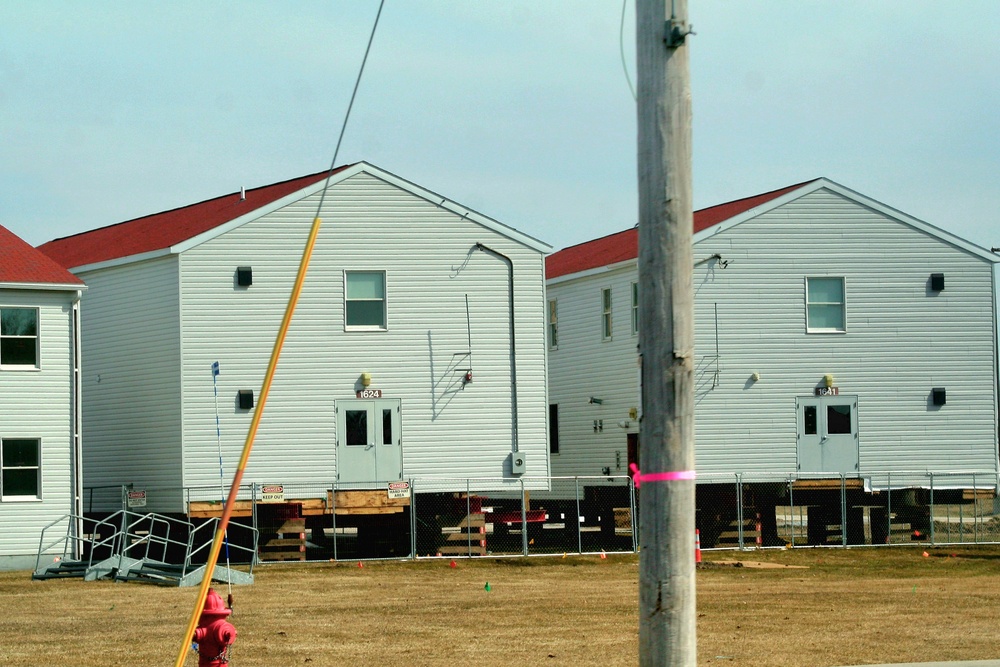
point(825, 305)
point(356, 428)
point(365, 300)
point(553, 325)
point(635, 308)
point(19, 468)
point(553, 428)
point(606, 313)
point(19, 337)
point(838, 419)
point(809, 420)
point(387, 426)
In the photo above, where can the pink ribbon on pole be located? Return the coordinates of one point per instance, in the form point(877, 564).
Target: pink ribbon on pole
point(638, 477)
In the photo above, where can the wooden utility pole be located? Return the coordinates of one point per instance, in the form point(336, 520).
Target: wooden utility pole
point(666, 338)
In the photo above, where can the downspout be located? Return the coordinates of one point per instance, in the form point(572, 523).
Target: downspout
point(76, 421)
point(513, 346)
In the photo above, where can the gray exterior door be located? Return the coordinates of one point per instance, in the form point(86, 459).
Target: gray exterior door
point(369, 446)
point(827, 434)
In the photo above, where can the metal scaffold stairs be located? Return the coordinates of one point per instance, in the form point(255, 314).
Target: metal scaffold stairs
point(140, 547)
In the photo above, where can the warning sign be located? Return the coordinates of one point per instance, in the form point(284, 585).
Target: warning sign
point(272, 493)
point(399, 489)
point(136, 498)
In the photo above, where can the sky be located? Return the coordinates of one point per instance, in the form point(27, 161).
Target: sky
point(518, 109)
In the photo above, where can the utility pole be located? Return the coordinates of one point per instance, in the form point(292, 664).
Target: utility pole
point(666, 338)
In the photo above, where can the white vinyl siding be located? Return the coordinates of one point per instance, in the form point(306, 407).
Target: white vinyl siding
point(131, 387)
point(586, 366)
point(445, 295)
point(749, 317)
point(38, 407)
point(903, 341)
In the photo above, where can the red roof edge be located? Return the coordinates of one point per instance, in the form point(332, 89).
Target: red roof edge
point(22, 264)
point(624, 245)
point(713, 215)
point(162, 230)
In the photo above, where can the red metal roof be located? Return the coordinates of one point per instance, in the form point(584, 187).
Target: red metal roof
point(623, 246)
point(20, 263)
point(163, 230)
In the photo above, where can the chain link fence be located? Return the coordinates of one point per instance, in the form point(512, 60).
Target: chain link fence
point(478, 517)
point(752, 510)
point(586, 515)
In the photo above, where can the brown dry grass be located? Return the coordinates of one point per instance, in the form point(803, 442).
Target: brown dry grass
point(847, 608)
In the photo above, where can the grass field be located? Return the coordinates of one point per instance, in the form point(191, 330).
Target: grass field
point(809, 607)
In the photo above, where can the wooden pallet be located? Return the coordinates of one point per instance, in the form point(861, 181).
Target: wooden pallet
point(371, 501)
point(366, 502)
point(208, 509)
point(288, 543)
point(623, 520)
point(730, 536)
point(465, 538)
point(832, 483)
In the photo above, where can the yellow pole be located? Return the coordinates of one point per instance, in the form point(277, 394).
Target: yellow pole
point(227, 510)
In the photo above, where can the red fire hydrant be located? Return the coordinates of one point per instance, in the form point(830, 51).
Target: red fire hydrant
point(214, 634)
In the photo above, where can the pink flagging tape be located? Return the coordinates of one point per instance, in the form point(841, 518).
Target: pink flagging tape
point(638, 477)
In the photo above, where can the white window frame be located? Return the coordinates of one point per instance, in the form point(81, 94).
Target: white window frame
point(842, 303)
point(38, 352)
point(635, 308)
point(607, 305)
point(553, 323)
point(385, 301)
point(38, 472)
